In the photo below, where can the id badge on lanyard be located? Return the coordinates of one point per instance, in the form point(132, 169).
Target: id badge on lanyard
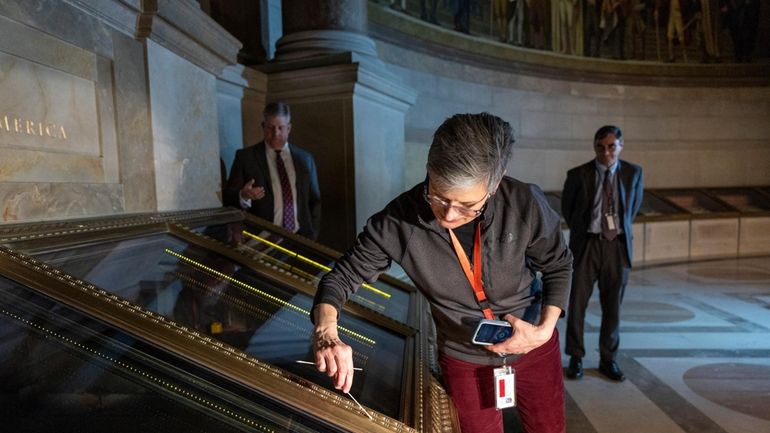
point(610, 217)
point(505, 390)
point(504, 377)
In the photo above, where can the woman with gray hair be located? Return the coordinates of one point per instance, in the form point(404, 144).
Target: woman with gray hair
point(472, 241)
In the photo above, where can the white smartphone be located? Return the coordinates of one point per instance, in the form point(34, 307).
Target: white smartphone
point(490, 332)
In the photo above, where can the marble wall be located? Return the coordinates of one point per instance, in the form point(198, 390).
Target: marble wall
point(108, 107)
point(185, 132)
point(682, 136)
point(57, 138)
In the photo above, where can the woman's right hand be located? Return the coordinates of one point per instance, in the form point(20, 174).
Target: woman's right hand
point(332, 355)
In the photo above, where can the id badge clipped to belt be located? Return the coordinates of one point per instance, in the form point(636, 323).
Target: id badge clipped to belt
point(505, 394)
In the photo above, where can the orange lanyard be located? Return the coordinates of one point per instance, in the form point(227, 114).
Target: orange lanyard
point(474, 276)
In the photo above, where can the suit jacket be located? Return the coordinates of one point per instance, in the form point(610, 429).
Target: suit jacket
point(251, 163)
point(577, 201)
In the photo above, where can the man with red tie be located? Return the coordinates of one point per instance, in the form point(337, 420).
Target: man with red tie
point(277, 181)
point(599, 202)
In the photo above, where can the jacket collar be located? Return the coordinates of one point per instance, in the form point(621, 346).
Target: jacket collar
point(428, 220)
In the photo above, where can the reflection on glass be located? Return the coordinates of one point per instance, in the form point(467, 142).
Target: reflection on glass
point(652, 205)
point(285, 255)
point(743, 199)
point(693, 201)
point(375, 296)
point(299, 258)
point(62, 372)
point(210, 293)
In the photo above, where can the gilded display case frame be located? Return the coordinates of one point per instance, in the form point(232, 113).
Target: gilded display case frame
point(101, 354)
point(426, 408)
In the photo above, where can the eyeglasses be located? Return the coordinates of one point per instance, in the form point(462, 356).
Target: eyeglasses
point(445, 205)
point(601, 148)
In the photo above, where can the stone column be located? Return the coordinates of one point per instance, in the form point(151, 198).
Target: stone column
point(323, 27)
point(347, 108)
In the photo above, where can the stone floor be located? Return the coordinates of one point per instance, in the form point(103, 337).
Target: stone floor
point(695, 347)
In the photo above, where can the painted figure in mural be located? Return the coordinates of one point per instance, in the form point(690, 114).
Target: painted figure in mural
point(398, 5)
point(624, 12)
point(612, 24)
point(567, 26)
point(428, 11)
point(517, 14)
point(592, 32)
point(508, 17)
point(537, 23)
point(637, 27)
point(599, 202)
point(753, 27)
point(462, 16)
point(464, 220)
point(500, 18)
point(742, 20)
point(675, 10)
point(710, 29)
point(275, 180)
point(699, 30)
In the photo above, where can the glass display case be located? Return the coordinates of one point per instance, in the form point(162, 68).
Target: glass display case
point(82, 375)
point(237, 315)
point(308, 261)
point(694, 201)
point(654, 207)
point(745, 200)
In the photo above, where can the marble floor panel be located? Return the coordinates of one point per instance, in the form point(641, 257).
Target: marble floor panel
point(720, 388)
point(695, 348)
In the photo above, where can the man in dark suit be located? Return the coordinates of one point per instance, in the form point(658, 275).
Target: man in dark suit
point(277, 181)
point(599, 202)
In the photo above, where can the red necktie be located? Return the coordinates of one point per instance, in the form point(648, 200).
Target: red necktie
point(288, 200)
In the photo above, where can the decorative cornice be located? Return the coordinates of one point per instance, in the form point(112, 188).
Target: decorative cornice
point(123, 16)
point(185, 29)
point(339, 74)
point(242, 81)
point(179, 26)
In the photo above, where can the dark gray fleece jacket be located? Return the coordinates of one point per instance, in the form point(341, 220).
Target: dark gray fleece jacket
point(521, 234)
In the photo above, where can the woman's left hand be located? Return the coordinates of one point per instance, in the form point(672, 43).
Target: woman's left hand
point(527, 337)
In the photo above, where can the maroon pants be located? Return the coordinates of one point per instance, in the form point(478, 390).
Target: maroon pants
point(539, 391)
